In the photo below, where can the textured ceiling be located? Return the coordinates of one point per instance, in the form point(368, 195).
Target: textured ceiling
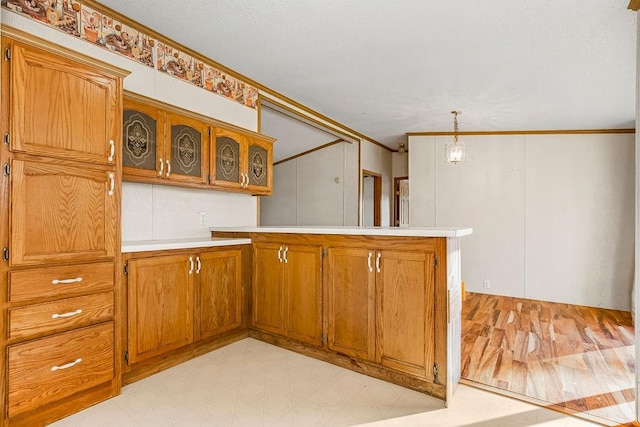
point(385, 68)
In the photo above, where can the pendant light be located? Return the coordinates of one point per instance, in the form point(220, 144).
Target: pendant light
point(455, 151)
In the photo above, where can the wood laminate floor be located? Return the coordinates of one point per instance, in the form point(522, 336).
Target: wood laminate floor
point(576, 358)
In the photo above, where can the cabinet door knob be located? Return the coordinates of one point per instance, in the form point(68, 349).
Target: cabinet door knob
point(161, 171)
point(113, 150)
point(168, 168)
point(191, 265)
point(199, 265)
point(112, 186)
point(280, 254)
point(369, 262)
point(378, 262)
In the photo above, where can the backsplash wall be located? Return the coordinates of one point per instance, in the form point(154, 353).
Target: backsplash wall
point(152, 212)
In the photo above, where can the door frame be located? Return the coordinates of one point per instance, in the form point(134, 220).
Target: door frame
point(377, 195)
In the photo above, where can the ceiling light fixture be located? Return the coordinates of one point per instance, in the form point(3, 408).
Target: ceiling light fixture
point(455, 151)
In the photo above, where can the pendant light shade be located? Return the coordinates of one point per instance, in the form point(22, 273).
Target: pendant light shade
point(455, 151)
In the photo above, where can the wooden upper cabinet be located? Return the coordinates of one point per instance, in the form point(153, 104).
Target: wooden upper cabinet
point(62, 108)
point(160, 305)
point(218, 292)
point(61, 213)
point(185, 149)
point(351, 302)
point(162, 145)
point(259, 165)
point(142, 139)
point(241, 161)
point(227, 156)
point(405, 312)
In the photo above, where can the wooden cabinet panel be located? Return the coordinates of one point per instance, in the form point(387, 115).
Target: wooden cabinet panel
point(267, 287)
point(61, 108)
point(219, 293)
point(60, 315)
point(405, 312)
point(259, 166)
point(142, 140)
point(303, 293)
point(61, 213)
point(186, 148)
point(351, 302)
point(59, 282)
point(227, 155)
point(160, 305)
point(54, 368)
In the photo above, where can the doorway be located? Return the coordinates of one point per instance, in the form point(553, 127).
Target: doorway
point(401, 201)
point(371, 198)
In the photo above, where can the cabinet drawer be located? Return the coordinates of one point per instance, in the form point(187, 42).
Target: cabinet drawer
point(60, 315)
point(57, 282)
point(54, 368)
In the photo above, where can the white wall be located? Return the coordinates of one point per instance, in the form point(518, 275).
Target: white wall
point(551, 213)
point(146, 210)
point(377, 159)
point(305, 191)
point(400, 164)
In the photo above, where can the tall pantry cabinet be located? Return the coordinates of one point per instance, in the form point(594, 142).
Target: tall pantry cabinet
point(59, 230)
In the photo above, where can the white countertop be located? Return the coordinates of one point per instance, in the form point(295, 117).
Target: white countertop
point(355, 231)
point(160, 245)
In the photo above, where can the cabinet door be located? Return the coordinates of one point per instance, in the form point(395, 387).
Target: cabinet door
point(351, 302)
point(405, 312)
point(142, 140)
point(61, 108)
point(227, 154)
point(219, 292)
point(61, 213)
point(303, 293)
point(267, 287)
point(185, 153)
point(160, 305)
point(259, 166)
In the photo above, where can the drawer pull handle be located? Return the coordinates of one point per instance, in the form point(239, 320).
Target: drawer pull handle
point(168, 169)
point(112, 185)
point(66, 281)
point(66, 366)
point(68, 314)
point(369, 262)
point(284, 255)
point(378, 262)
point(199, 265)
point(279, 253)
point(191, 265)
point(161, 171)
point(113, 150)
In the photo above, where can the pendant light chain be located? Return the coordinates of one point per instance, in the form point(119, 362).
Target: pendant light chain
point(455, 126)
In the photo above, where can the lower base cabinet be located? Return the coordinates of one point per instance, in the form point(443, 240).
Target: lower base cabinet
point(218, 293)
point(55, 368)
point(405, 312)
point(160, 305)
point(287, 291)
point(177, 298)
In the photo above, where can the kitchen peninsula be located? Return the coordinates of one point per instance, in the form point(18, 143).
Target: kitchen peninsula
point(385, 302)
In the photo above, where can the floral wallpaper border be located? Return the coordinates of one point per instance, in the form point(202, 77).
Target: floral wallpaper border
point(79, 20)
